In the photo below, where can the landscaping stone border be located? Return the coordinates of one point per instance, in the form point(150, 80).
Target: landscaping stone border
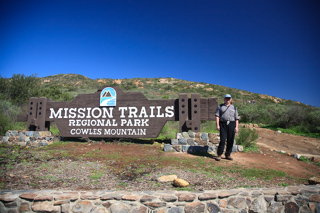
point(28, 138)
point(303, 198)
point(197, 143)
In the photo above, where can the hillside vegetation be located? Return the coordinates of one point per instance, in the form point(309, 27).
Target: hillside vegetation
point(273, 112)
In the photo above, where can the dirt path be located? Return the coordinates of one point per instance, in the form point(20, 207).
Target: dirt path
point(268, 142)
point(288, 143)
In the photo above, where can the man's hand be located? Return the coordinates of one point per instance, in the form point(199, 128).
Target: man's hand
point(236, 130)
point(218, 123)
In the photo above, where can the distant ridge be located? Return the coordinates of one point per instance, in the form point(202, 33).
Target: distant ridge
point(157, 88)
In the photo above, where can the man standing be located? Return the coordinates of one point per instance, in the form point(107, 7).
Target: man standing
point(227, 123)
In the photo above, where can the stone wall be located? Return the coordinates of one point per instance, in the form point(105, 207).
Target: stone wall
point(28, 138)
point(285, 199)
point(197, 143)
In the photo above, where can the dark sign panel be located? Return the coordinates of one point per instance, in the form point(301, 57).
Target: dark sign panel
point(110, 112)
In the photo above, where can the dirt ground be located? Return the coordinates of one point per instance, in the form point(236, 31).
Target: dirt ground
point(121, 166)
point(289, 143)
point(270, 143)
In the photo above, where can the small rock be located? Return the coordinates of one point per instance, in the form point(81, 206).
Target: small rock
point(179, 135)
point(191, 134)
point(234, 148)
point(154, 205)
point(240, 148)
point(167, 148)
point(296, 156)
point(174, 141)
point(180, 183)
point(187, 197)
point(190, 141)
point(147, 198)
point(204, 136)
point(140, 209)
point(130, 197)
point(9, 197)
point(45, 207)
point(211, 149)
point(237, 202)
point(120, 207)
point(43, 198)
point(185, 135)
point(28, 196)
point(183, 141)
point(169, 198)
point(24, 207)
point(167, 178)
point(195, 207)
point(278, 132)
point(89, 197)
point(314, 180)
point(185, 148)
point(177, 148)
point(207, 196)
point(175, 210)
point(291, 207)
point(315, 198)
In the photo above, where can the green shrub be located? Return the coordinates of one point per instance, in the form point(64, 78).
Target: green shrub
point(169, 130)
point(5, 123)
point(247, 137)
point(208, 127)
point(56, 94)
point(301, 119)
point(22, 87)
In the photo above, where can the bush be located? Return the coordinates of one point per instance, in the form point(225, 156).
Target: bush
point(56, 94)
point(304, 119)
point(5, 124)
point(169, 130)
point(22, 87)
point(247, 137)
point(9, 110)
point(208, 127)
point(8, 115)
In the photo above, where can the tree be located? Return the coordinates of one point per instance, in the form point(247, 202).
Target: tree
point(3, 88)
point(21, 88)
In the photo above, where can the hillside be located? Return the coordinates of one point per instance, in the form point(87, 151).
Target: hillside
point(156, 88)
point(280, 114)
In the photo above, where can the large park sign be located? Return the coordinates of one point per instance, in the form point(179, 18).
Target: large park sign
point(110, 112)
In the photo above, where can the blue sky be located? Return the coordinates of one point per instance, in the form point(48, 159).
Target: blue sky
point(269, 47)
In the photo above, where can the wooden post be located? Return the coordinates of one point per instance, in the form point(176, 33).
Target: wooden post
point(41, 114)
point(183, 111)
point(195, 112)
point(32, 114)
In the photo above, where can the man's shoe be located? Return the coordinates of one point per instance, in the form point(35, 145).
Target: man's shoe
point(218, 158)
point(229, 158)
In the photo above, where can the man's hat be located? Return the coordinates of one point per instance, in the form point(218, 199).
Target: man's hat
point(228, 96)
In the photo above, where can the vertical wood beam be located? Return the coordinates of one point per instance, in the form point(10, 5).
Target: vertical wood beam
point(183, 111)
point(32, 114)
point(41, 114)
point(195, 112)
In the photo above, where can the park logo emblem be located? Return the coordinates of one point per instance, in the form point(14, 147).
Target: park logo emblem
point(108, 97)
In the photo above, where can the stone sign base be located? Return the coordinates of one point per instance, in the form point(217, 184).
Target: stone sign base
point(197, 143)
point(28, 138)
